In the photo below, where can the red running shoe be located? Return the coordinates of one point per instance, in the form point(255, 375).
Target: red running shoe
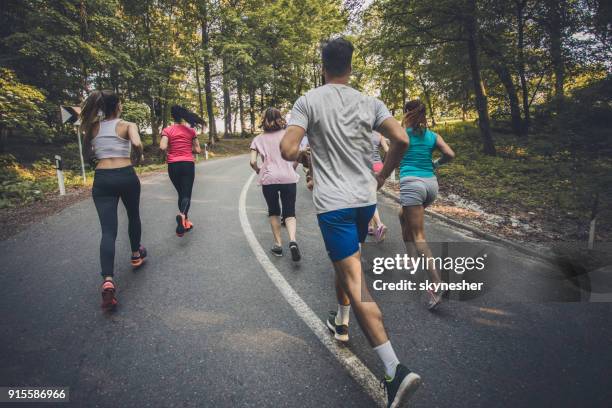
point(188, 225)
point(137, 261)
point(109, 301)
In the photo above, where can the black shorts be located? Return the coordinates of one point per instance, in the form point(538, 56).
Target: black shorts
point(287, 193)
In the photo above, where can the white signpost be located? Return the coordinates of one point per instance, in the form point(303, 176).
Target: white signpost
point(70, 114)
point(60, 174)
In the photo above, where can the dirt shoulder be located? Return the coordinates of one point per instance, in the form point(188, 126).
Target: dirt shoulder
point(16, 219)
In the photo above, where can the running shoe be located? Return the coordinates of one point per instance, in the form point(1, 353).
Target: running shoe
point(401, 387)
point(295, 251)
point(137, 261)
point(180, 225)
point(277, 250)
point(340, 331)
point(188, 225)
point(380, 233)
point(109, 301)
point(433, 299)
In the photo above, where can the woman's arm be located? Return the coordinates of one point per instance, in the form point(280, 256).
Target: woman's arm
point(163, 143)
point(384, 144)
point(196, 146)
point(254, 161)
point(134, 137)
point(447, 153)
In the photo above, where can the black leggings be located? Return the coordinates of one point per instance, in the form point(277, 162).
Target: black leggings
point(182, 175)
point(109, 185)
point(287, 194)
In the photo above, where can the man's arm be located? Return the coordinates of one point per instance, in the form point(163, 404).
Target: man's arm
point(290, 144)
point(391, 129)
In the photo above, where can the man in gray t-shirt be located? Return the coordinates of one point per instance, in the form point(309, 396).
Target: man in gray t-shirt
point(339, 121)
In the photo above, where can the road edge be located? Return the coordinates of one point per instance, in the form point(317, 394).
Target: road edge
point(355, 367)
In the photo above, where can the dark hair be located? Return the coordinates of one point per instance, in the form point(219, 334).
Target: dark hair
point(179, 114)
point(96, 107)
point(337, 55)
point(273, 120)
point(415, 115)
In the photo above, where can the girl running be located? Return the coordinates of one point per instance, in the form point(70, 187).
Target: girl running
point(376, 227)
point(112, 141)
point(419, 185)
point(278, 179)
point(179, 142)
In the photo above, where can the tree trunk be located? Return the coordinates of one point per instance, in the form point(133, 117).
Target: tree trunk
point(241, 107)
point(199, 85)
point(404, 93)
point(252, 108)
point(505, 78)
point(520, 20)
point(556, 51)
point(212, 126)
point(262, 104)
point(235, 119)
point(481, 97)
point(154, 122)
point(3, 139)
point(427, 95)
point(227, 109)
point(500, 67)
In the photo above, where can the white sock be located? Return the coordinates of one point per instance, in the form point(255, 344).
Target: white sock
point(343, 315)
point(387, 355)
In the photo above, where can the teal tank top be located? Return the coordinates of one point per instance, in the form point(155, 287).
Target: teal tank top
point(417, 159)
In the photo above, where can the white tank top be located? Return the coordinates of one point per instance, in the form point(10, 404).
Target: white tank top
point(108, 143)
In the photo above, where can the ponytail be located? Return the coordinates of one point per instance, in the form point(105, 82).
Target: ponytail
point(179, 114)
point(96, 107)
point(415, 116)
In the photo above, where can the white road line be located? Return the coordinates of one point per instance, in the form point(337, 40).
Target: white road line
point(350, 361)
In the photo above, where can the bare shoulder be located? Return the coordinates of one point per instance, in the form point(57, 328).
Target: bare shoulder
point(123, 128)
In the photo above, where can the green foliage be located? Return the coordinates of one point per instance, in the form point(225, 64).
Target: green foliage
point(20, 185)
point(20, 104)
point(556, 182)
point(136, 112)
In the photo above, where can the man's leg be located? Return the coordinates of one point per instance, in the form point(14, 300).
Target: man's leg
point(348, 280)
point(344, 303)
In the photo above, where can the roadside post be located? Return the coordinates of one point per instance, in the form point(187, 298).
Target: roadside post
point(205, 151)
point(70, 114)
point(60, 174)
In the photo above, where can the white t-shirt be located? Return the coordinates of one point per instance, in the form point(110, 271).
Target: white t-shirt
point(339, 121)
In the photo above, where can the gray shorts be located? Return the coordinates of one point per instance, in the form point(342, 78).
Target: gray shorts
point(418, 190)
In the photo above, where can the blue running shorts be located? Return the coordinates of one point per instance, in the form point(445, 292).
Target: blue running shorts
point(344, 229)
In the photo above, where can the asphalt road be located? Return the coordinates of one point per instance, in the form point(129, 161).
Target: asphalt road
point(201, 325)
